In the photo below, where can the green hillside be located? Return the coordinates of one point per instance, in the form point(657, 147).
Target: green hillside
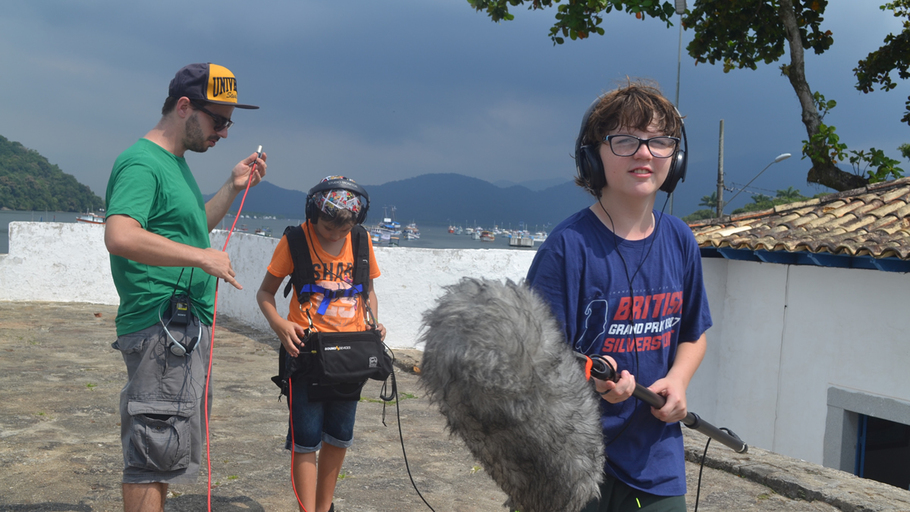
point(29, 182)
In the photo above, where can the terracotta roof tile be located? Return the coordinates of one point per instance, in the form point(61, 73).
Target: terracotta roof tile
point(871, 221)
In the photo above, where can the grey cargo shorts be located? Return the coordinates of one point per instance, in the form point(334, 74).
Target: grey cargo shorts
point(162, 413)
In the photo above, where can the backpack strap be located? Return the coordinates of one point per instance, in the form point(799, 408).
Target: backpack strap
point(360, 246)
point(303, 278)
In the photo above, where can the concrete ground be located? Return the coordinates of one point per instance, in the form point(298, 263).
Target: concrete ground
point(60, 448)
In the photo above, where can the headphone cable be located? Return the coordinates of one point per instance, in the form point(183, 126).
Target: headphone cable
point(630, 280)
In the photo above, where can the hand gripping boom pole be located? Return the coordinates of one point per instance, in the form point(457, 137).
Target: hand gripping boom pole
point(598, 367)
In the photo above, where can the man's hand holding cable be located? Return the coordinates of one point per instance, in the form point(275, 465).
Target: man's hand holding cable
point(240, 175)
point(217, 207)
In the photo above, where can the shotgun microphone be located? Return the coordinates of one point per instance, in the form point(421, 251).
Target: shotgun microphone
point(496, 364)
point(600, 368)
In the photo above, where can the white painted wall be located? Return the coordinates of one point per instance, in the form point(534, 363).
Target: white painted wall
point(67, 262)
point(57, 262)
point(783, 335)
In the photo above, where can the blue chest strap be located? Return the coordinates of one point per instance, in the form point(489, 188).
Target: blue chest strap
point(329, 295)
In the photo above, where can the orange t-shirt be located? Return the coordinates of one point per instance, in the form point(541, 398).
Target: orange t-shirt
point(345, 314)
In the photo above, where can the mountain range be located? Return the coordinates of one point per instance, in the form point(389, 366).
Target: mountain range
point(439, 199)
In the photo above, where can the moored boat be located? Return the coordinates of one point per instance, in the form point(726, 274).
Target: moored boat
point(411, 232)
point(391, 225)
point(521, 239)
point(90, 218)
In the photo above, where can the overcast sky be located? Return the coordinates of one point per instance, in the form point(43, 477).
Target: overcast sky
point(386, 90)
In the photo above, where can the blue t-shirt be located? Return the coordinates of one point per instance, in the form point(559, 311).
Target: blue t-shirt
point(584, 271)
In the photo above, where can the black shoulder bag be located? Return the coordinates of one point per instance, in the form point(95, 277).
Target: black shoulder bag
point(335, 365)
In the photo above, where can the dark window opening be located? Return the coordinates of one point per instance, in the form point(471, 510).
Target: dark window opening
point(883, 451)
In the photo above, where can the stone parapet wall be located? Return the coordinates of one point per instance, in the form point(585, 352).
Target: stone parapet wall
point(57, 262)
point(68, 262)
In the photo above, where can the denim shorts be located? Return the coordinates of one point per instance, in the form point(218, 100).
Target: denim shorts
point(313, 423)
point(162, 417)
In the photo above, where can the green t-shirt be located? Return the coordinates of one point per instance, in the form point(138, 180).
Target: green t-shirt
point(157, 189)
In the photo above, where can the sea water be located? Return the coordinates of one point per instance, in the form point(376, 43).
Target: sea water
point(431, 236)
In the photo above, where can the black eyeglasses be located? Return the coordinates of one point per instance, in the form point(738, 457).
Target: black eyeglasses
point(221, 122)
point(627, 145)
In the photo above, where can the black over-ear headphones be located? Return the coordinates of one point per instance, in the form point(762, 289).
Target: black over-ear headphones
point(590, 167)
point(312, 212)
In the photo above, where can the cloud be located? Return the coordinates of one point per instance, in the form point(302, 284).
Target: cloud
point(390, 90)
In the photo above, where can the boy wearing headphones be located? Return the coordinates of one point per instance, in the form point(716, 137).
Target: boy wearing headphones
point(625, 282)
point(333, 208)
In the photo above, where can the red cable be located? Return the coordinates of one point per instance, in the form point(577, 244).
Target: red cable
point(293, 441)
point(208, 451)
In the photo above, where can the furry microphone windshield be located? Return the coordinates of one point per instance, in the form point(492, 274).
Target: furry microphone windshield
point(496, 364)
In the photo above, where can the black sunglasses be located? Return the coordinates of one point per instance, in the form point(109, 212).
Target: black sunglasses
point(221, 122)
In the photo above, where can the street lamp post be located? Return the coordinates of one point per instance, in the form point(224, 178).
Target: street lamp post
point(680, 10)
point(780, 157)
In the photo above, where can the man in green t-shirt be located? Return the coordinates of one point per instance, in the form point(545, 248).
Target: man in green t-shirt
point(157, 232)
